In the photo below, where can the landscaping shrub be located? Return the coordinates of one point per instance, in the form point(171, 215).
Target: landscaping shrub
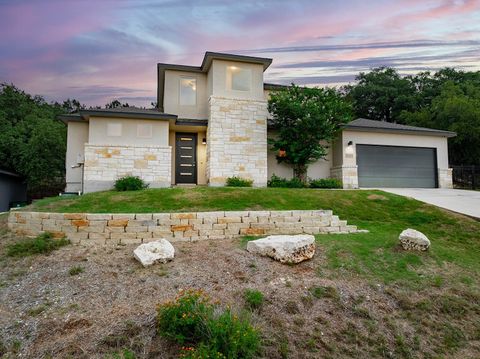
point(239, 182)
point(276, 181)
point(42, 244)
point(253, 298)
point(209, 331)
point(326, 183)
point(130, 183)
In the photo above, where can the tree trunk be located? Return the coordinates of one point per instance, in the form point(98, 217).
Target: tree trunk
point(300, 172)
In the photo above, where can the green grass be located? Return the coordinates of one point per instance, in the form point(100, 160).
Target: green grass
point(253, 299)
point(454, 238)
point(76, 270)
point(209, 199)
point(42, 244)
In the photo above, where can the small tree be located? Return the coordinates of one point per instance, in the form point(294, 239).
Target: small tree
point(305, 118)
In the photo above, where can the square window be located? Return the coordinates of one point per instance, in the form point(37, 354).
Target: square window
point(144, 131)
point(188, 91)
point(114, 129)
point(239, 79)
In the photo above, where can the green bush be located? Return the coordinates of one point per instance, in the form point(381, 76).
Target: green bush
point(326, 183)
point(42, 244)
point(130, 183)
point(185, 320)
point(239, 182)
point(253, 298)
point(209, 331)
point(276, 181)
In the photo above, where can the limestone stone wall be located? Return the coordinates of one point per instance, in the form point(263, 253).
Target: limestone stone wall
point(445, 178)
point(143, 227)
point(237, 140)
point(347, 174)
point(104, 164)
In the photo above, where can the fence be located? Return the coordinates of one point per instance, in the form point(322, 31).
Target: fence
point(466, 177)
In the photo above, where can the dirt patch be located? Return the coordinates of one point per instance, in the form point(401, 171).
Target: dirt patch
point(377, 197)
point(110, 306)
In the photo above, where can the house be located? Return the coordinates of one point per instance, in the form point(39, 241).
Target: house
point(211, 124)
point(13, 190)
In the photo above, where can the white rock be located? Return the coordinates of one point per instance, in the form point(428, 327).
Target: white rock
point(160, 251)
point(285, 248)
point(410, 239)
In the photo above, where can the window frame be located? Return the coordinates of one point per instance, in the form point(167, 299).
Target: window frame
point(191, 78)
point(231, 74)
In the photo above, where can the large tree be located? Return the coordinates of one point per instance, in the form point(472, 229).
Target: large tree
point(305, 121)
point(32, 140)
point(381, 94)
point(457, 109)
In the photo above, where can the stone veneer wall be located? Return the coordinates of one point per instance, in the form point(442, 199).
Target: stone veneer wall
point(237, 140)
point(104, 164)
point(143, 227)
point(445, 178)
point(347, 174)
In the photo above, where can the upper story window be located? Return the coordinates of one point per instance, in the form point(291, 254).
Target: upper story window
point(144, 131)
point(114, 129)
point(188, 91)
point(238, 78)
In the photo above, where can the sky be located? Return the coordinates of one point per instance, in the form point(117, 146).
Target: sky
point(99, 50)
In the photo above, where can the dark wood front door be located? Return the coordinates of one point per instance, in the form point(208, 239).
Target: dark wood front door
point(186, 158)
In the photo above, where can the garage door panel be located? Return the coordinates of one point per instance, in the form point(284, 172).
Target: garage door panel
point(394, 166)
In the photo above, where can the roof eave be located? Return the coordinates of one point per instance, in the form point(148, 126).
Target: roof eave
point(119, 114)
point(439, 133)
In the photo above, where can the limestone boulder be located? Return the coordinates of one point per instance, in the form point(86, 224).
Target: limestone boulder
point(159, 251)
point(284, 248)
point(412, 240)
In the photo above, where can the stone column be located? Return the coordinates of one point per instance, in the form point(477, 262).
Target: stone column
point(445, 178)
point(237, 140)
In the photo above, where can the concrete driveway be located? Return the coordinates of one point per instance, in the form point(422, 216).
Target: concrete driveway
point(457, 200)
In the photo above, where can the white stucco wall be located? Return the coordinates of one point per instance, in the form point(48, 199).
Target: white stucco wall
point(316, 170)
point(77, 136)
point(172, 95)
point(98, 132)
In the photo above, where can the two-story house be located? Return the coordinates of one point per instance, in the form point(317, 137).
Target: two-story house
point(211, 124)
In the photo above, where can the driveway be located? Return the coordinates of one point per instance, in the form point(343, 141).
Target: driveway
point(457, 200)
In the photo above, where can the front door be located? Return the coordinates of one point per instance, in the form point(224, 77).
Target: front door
point(186, 158)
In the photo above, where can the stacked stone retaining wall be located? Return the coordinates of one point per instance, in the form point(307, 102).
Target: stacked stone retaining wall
point(144, 227)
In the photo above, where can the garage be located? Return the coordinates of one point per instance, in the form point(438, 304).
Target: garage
point(396, 166)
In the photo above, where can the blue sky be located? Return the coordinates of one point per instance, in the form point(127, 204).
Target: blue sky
point(96, 51)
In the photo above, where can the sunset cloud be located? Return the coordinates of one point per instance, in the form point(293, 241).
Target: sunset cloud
point(99, 50)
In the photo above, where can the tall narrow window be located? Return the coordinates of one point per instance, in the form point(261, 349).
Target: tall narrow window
point(238, 78)
point(188, 91)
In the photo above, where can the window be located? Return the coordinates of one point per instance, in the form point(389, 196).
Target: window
point(114, 129)
point(144, 131)
point(188, 91)
point(238, 78)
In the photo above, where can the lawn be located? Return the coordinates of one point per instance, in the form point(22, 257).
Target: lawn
point(360, 296)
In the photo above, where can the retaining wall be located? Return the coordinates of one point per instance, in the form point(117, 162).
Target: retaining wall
point(143, 227)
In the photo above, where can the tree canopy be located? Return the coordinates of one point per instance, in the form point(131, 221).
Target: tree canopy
point(445, 100)
point(305, 121)
point(32, 141)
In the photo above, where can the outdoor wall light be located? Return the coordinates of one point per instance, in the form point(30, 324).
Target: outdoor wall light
point(204, 141)
point(349, 149)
